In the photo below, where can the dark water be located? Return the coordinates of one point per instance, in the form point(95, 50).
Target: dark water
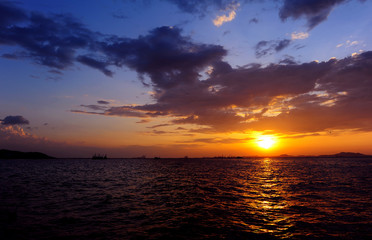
point(186, 199)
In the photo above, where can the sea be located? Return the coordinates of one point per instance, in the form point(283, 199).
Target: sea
point(253, 198)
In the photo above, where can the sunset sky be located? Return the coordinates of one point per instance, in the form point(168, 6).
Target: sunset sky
point(172, 78)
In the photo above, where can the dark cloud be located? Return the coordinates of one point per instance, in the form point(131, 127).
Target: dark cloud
point(10, 14)
point(94, 107)
point(159, 125)
point(253, 20)
point(201, 7)
point(166, 56)
point(264, 48)
point(14, 120)
point(282, 44)
point(10, 56)
point(94, 63)
point(143, 121)
point(157, 132)
point(124, 111)
point(103, 102)
point(47, 40)
point(285, 98)
point(299, 136)
point(315, 11)
point(127, 111)
point(86, 112)
point(55, 72)
point(226, 32)
point(287, 60)
point(219, 140)
point(298, 46)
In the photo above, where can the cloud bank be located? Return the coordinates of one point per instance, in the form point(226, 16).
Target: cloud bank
point(285, 98)
point(14, 120)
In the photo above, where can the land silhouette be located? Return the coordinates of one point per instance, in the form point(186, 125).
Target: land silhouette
point(9, 154)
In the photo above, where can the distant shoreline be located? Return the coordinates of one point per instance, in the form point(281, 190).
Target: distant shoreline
point(9, 154)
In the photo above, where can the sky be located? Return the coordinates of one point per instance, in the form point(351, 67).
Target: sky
point(174, 78)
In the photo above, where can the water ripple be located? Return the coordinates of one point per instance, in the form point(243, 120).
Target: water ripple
point(186, 199)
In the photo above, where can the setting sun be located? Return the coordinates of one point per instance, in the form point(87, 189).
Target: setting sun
point(266, 142)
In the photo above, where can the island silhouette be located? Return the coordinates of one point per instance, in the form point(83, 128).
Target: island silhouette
point(8, 154)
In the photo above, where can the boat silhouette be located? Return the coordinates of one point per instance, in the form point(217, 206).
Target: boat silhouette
point(99, 156)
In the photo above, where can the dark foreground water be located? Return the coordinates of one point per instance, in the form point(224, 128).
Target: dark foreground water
point(186, 199)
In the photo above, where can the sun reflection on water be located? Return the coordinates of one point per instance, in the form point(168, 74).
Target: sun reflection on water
point(267, 202)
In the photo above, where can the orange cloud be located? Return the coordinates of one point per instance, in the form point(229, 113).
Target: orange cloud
point(300, 35)
point(219, 20)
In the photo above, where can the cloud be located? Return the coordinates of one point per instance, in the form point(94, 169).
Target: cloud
point(15, 137)
point(144, 121)
point(9, 14)
point(94, 63)
point(299, 136)
point(11, 130)
point(219, 20)
point(103, 102)
point(348, 43)
point(47, 40)
point(54, 41)
point(10, 56)
point(123, 111)
point(314, 11)
point(201, 7)
point(159, 125)
point(14, 120)
point(300, 35)
point(167, 57)
point(94, 107)
point(288, 60)
point(284, 98)
point(55, 72)
point(264, 48)
point(253, 20)
point(219, 140)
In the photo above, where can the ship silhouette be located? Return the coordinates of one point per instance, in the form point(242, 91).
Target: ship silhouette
point(99, 156)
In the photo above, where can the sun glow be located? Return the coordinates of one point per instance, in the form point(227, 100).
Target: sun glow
point(266, 142)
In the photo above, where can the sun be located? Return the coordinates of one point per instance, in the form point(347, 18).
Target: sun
point(266, 142)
